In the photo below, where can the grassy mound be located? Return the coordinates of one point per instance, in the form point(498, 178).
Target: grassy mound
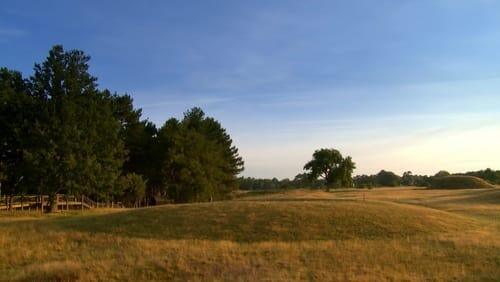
point(268, 221)
point(459, 182)
point(294, 236)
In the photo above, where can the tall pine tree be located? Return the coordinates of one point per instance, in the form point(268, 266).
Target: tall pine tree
point(79, 147)
point(17, 114)
point(200, 162)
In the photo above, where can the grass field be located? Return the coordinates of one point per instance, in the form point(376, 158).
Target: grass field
point(381, 234)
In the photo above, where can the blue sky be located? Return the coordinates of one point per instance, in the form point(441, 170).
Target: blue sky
point(398, 85)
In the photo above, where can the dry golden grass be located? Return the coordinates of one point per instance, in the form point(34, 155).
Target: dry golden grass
point(394, 234)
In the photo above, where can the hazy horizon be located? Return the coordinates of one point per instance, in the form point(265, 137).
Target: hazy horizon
point(397, 86)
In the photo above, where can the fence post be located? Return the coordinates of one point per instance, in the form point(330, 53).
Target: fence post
point(41, 203)
point(82, 203)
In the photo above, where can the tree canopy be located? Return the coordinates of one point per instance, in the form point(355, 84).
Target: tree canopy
point(60, 133)
point(78, 147)
point(199, 161)
point(329, 165)
point(387, 178)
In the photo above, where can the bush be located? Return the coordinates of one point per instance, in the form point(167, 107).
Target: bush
point(134, 189)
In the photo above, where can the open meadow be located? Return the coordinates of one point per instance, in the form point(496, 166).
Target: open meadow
point(249, 140)
point(409, 234)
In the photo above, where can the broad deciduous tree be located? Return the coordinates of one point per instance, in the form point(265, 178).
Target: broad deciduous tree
point(332, 167)
point(387, 178)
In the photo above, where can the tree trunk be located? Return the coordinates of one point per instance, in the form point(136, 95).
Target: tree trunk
point(53, 201)
point(10, 202)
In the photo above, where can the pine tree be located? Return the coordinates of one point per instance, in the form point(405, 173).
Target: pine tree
point(16, 116)
point(200, 162)
point(139, 138)
point(79, 147)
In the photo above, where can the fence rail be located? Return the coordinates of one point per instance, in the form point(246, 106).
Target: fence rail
point(42, 203)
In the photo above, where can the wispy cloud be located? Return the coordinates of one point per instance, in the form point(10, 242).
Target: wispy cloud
point(10, 33)
point(189, 101)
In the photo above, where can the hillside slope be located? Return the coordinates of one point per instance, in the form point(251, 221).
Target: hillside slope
point(460, 182)
point(253, 221)
point(299, 235)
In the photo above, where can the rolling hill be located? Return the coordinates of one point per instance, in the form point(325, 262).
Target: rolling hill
point(383, 234)
point(460, 182)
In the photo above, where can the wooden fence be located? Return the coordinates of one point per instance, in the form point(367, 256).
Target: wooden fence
point(64, 202)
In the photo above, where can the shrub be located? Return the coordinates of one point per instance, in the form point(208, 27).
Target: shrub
point(134, 189)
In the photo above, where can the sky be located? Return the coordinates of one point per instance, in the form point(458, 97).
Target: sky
point(396, 84)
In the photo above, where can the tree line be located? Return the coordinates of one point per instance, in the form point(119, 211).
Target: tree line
point(327, 169)
point(301, 180)
point(390, 179)
point(61, 133)
point(382, 179)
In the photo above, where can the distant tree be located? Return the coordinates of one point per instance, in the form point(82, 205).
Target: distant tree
point(421, 180)
point(332, 167)
point(325, 164)
point(285, 183)
point(492, 176)
point(387, 178)
point(299, 181)
point(442, 173)
point(407, 179)
point(302, 180)
point(346, 169)
point(365, 181)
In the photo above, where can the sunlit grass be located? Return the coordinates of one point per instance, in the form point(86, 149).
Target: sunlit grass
point(398, 234)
